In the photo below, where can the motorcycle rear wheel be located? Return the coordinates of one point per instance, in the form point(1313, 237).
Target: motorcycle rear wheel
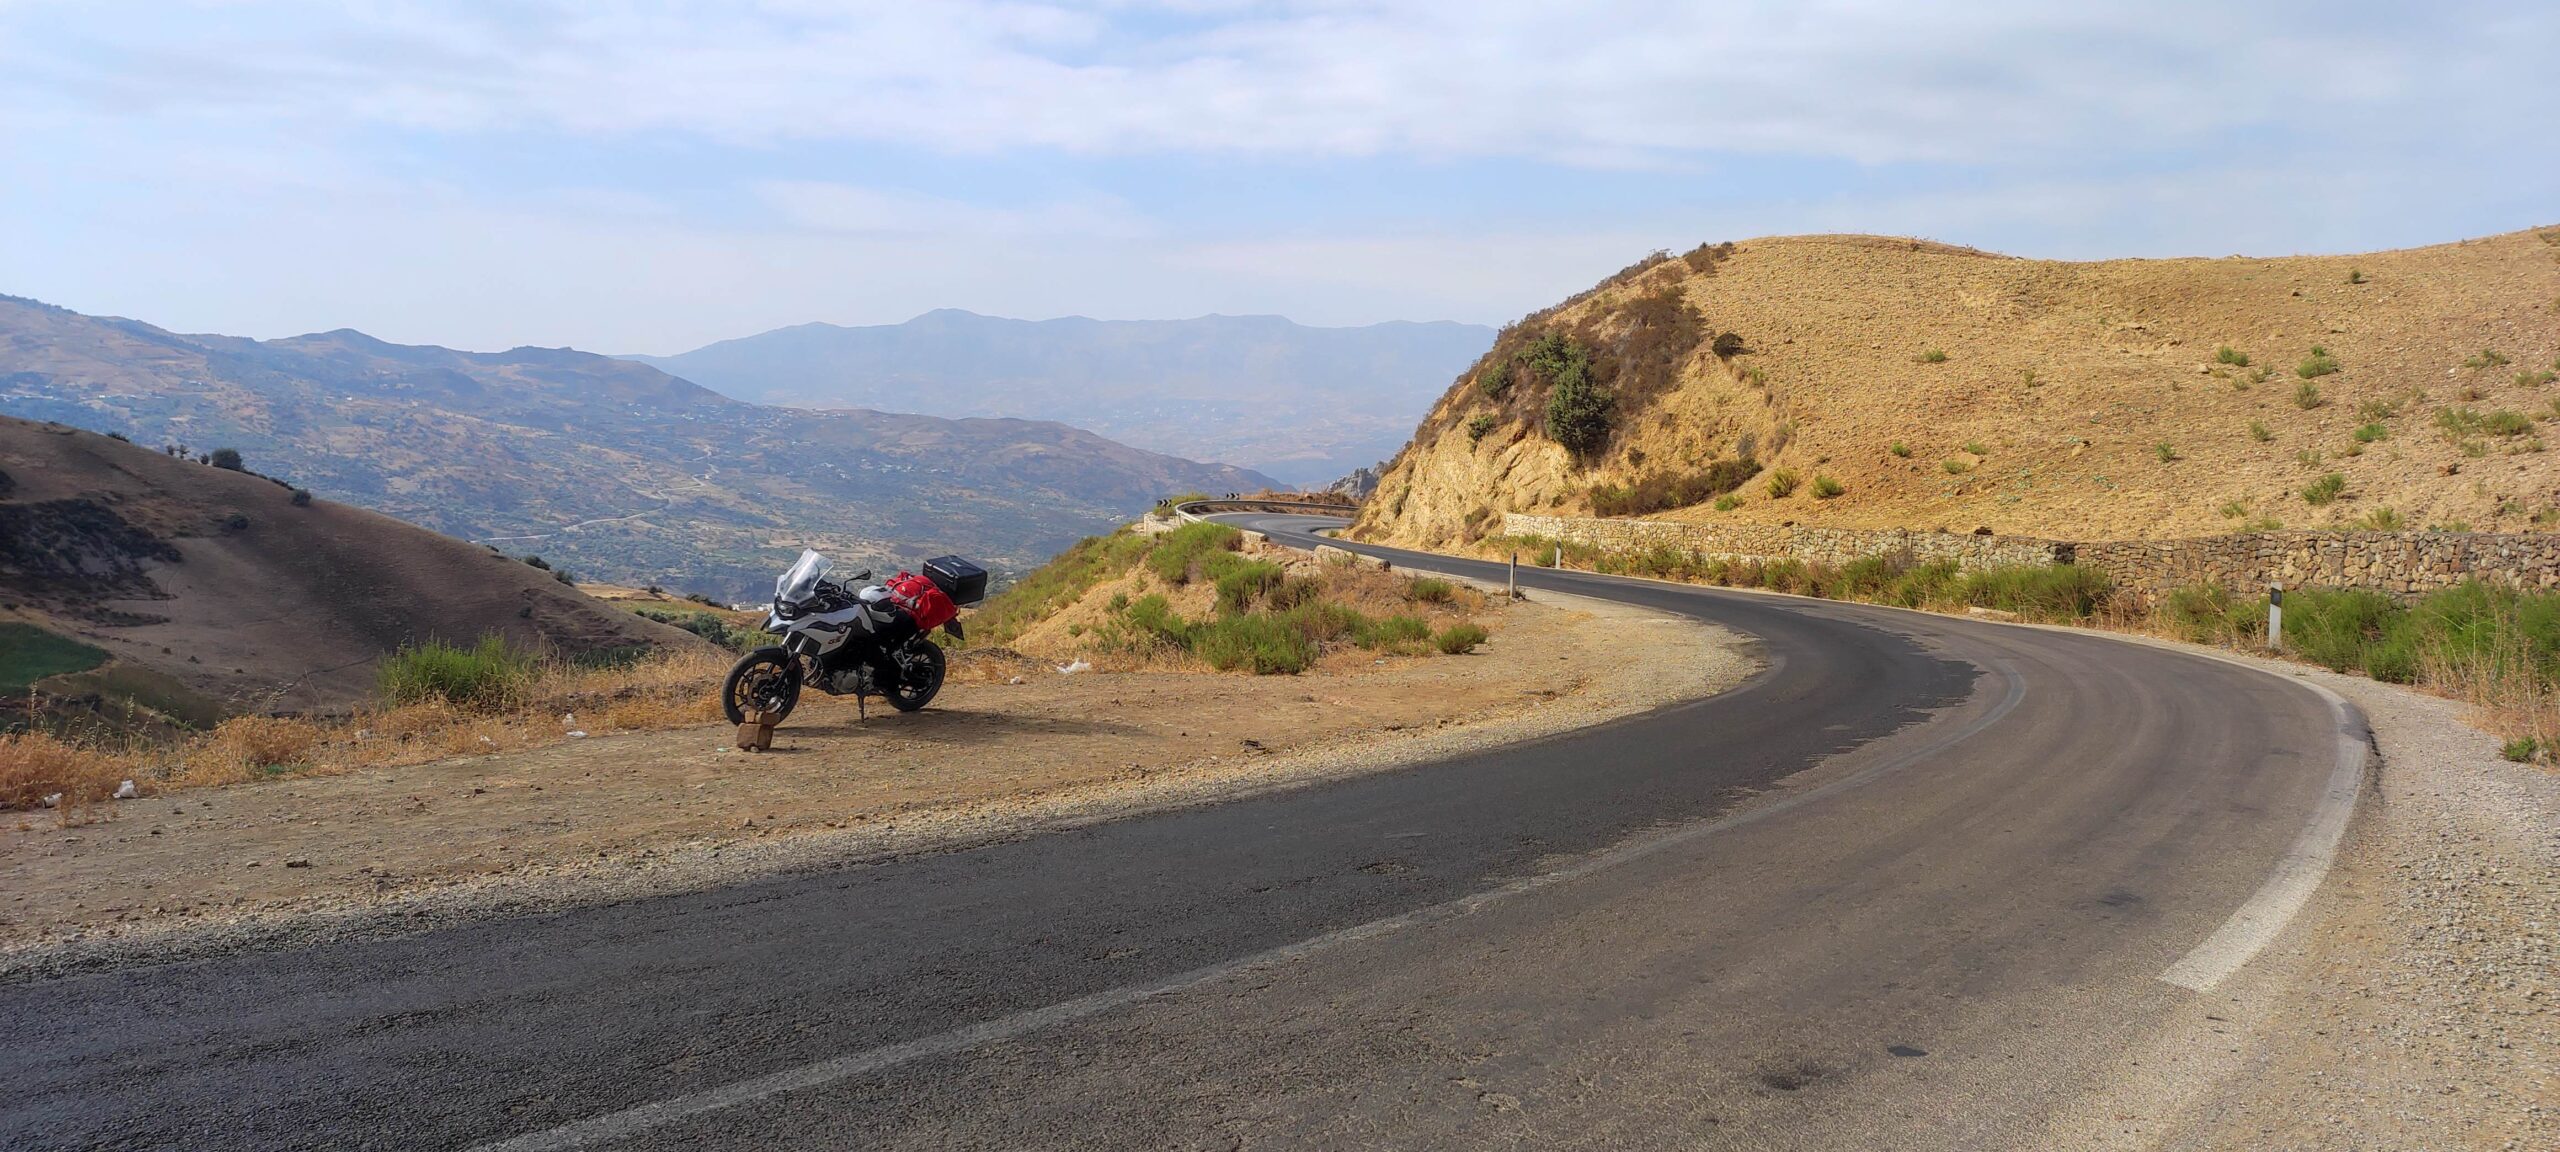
point(920, 676)
point(766, 680)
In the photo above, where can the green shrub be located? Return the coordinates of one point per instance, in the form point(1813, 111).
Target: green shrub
point(227, 459)
point(2319, 363)
point(1495, 382)
point(2306, 396)
point(2368, 433)
point(2506, 422)
point(1458, 639)
point(2231, 356)
point(1153, 622)
point(2531, 379)
point(1578, 414)
point(1782, 483)
point(1263, 644)
point(2384, 519)
point(488, 676)
point(2488, 358)
point(1056, 584)
point(2167, 452)
point(1294, 591)
point(1932, 356)
point(1430, 590)
point(1243, 583)
point(2327, 488)
point(1900, 449)
point(2355, 276)
point(2212, 614)
point(1396, 632)
point(1175, 556)
point(1954, 467)
point(1787, 574)
point(1728, 502)
point(2343, 627)
point(2258, 431)
point(2054, 592)
point(2520, 750)
point(2373, 410)
point(1824, 487)
point(1478, 425)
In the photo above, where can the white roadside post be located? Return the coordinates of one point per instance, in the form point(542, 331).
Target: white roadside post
point(1558, 564)
point(2275, 617)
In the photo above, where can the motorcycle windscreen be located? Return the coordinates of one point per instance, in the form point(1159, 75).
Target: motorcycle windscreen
point(801, 582)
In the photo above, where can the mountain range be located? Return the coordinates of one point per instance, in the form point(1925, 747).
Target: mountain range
point(611, 468)
point(1302, 403)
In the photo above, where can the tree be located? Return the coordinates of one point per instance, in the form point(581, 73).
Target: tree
point(225, 458)
point(1578, 411)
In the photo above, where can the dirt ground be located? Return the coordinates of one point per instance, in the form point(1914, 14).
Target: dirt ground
point(608, 818)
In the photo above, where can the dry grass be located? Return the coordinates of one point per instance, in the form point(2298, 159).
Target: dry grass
point(671, 689)
point(2074, 372)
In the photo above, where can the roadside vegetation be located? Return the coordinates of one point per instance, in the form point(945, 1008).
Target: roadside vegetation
point(432, 701)
point(1203, 594)
point(2495, 647)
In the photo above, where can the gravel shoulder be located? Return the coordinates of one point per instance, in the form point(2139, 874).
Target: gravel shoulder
point(380, 852)
point(2424, 1009)
point(2412, 1004)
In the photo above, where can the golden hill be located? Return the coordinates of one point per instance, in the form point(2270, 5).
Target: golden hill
point(1936, 386)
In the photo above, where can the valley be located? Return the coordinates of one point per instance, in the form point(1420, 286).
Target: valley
point(609, 469)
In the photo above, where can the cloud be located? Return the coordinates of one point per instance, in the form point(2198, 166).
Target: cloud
point(829, 207)
point(1614, 83)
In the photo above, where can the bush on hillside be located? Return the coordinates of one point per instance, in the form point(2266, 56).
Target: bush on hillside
point(1673, 490)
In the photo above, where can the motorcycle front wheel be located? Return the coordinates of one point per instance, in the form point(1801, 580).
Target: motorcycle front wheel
point(766, 680)
point(919, 676)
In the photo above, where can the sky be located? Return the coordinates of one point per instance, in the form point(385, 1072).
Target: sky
point(649, 177)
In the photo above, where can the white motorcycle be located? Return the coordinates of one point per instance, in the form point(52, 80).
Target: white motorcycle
point(854, 638)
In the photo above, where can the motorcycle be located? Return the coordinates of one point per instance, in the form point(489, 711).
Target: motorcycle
point(853, 638)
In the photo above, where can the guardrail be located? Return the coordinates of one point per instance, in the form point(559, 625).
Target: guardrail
point(1192, 509)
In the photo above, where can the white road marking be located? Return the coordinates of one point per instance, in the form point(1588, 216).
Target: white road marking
point(632, 1121)
point(2296, 875)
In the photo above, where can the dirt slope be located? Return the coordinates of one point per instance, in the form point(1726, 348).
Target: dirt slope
point(214, 592)
point(2047, 413)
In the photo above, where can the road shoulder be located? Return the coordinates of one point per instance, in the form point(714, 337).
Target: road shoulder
point(382, 852)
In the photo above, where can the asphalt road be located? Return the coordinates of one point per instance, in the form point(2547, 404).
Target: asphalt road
point(1914, 886)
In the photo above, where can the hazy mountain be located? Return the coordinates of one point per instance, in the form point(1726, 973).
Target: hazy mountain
point(1304, 404)
point(616, 469)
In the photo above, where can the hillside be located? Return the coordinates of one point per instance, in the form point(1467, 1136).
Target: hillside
point(214, 592)
point(1303, 404)
point(1937, 386)
point(611, 468)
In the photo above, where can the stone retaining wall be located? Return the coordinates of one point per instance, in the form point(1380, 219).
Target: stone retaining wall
point(2401, 563)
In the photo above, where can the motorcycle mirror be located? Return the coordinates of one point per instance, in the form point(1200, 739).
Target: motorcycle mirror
point(862, 577)
point(952, 626)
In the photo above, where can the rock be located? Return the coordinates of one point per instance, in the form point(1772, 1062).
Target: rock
point(126, 791)
point(1980, 613)
point(297, 862)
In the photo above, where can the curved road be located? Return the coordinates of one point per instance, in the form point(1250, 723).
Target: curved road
point(1922, 883)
